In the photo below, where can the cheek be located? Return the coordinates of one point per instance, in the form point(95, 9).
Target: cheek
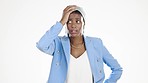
point(80, 27)
point(68, 27)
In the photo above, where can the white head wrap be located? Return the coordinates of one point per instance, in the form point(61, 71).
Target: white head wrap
point(80, 9)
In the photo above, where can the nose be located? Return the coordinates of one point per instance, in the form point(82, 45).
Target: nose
point(73, 25)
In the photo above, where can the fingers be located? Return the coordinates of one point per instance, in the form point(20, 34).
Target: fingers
point(70, 8)
point(66, 13)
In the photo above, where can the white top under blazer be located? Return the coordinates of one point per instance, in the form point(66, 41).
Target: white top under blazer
point(79, 70)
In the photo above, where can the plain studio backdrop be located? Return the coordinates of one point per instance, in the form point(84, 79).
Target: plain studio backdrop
point(121, 24)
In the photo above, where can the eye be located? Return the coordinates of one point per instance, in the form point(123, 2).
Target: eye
point(69, 22)
point(78, 21)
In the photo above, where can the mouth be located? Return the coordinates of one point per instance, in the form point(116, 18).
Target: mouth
point(73, 31)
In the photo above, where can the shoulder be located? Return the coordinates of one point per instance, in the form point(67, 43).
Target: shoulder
point(94, 39)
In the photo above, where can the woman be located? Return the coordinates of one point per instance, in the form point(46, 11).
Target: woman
point(77, 58)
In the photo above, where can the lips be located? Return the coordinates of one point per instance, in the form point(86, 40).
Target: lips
point(73, 31)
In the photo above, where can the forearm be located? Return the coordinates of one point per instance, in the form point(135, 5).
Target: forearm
point(46, 43)
point(115, 75)
point(114, 66)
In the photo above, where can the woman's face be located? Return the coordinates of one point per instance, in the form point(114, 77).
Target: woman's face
point(74, 24)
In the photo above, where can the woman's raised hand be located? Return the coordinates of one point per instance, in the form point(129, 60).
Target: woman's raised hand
point(66, 13)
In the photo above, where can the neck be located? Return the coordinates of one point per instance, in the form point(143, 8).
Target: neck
point(76, 40)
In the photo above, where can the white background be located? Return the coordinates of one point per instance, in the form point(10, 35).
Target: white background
point(122, 25)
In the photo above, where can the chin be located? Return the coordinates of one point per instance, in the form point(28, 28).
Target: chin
point(75, 35)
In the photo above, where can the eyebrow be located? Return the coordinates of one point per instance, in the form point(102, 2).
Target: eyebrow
point(78, 18)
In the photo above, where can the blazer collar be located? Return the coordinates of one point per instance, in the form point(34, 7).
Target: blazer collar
point(66, 46)
point(90, 52)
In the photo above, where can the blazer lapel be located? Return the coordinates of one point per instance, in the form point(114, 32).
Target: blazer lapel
point(66, 46)
point(90, 53)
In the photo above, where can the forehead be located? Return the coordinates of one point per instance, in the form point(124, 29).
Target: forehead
point(75, 16)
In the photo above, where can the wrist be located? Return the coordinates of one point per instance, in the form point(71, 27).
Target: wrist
point(63, 23)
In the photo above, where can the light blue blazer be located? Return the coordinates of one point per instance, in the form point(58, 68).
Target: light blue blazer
point(59, 48)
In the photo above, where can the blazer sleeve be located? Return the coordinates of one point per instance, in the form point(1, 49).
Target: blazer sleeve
point(47, 42)
point(113, 64)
